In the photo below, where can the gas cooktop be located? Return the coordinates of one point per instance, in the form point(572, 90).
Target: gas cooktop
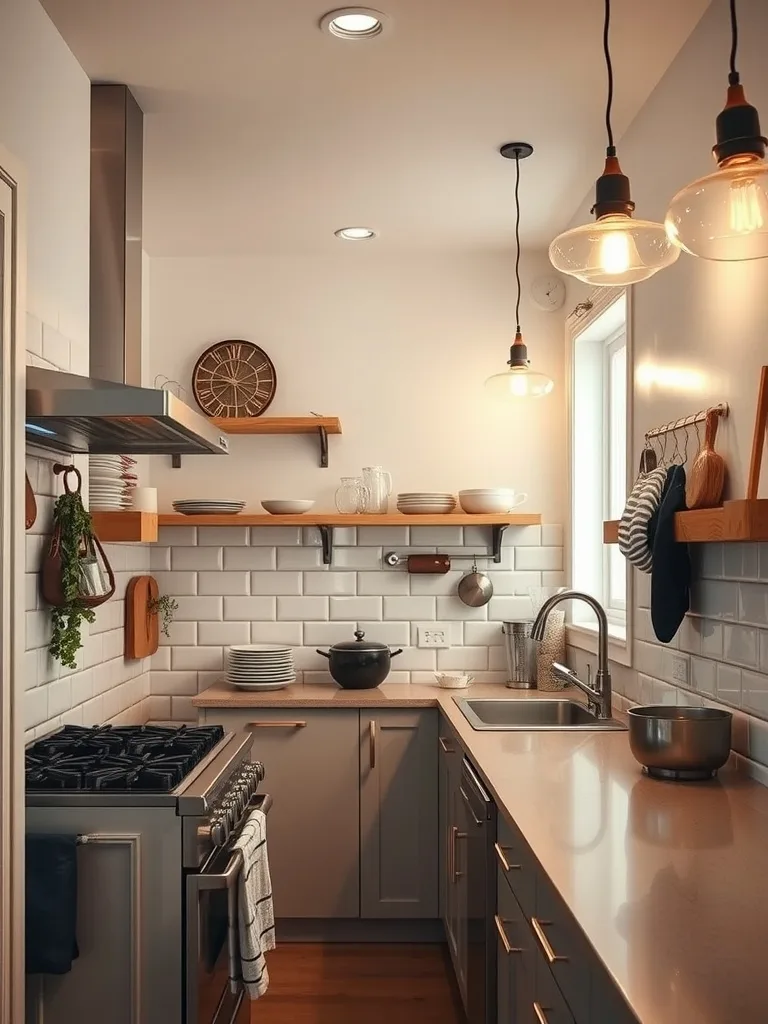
point(150, 759)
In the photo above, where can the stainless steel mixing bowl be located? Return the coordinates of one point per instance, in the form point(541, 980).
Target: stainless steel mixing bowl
point(680, 742)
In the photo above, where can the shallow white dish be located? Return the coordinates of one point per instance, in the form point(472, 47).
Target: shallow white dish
point(258, 648)
point(489, 502)
point(453, 680)
point(287, 506)
point(426, 510)
point(264, 686)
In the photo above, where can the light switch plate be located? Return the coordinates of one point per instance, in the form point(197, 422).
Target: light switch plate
point(434, 634)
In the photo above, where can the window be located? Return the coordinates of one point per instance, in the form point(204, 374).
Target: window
point(599, 435)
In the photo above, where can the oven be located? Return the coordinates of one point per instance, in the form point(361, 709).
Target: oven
point(213, 995)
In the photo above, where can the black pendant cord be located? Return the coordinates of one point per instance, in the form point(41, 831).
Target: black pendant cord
point(517, 241)
point(733, 76)
point(611, 150)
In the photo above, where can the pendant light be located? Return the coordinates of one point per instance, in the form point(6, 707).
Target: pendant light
point(615, 249)
point(724, 216)
point(519, 381)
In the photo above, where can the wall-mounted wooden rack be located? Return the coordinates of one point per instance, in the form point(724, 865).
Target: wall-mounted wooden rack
point(325, 523)
point(741, 520)
point(322, 426)
point(134, 527)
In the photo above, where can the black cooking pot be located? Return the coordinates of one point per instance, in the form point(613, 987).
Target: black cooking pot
point(359, 664)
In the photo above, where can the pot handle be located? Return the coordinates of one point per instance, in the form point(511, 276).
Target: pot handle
point(325, 654)
point(393, 654)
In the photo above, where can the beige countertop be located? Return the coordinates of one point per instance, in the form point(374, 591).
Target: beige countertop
point(667, 880)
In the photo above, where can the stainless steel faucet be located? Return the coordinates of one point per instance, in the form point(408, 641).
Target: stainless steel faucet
point(599, 695)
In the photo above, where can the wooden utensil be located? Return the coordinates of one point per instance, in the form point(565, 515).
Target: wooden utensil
point(758, 438)
point(707, 477)
point(30, 505)
point(142, 628)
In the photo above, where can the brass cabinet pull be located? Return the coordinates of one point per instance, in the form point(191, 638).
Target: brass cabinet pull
point(372, 744)
point(456, 836)
point(541, 1016)
point(549, 953)
point(444, 744)
point(500, 854)
point(451, 851)
point(276, 725)
point(503, 936)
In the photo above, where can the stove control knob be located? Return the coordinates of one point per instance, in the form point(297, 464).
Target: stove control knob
point(219, 832)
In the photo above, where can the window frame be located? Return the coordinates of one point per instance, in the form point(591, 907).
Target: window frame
point(589, 309)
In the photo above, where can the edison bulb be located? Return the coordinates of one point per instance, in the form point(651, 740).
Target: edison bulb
point(723, 216)
point(519, 382)
point(613, 253)
point(614, 250)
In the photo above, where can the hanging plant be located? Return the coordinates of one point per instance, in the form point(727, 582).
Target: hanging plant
point(165, 608)
point(76, 574)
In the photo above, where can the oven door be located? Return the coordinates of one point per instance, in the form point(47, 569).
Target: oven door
point(213, 995)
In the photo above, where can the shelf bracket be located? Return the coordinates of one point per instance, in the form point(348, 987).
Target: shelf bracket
point(497, 532)
point(326, 538)
point(175, 462)
point(322, 433)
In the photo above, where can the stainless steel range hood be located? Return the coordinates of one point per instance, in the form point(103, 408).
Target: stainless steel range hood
point(67, 413)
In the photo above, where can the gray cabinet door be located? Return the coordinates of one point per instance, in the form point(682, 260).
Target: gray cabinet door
point(449, 779)
point(312, 771)
point(398, 814)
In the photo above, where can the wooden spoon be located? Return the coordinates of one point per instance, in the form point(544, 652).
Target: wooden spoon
point(30, 506)
point(707, 477)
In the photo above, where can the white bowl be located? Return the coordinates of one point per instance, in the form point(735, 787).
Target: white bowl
point(452, 680)
point(497, 502)
point(287, 506)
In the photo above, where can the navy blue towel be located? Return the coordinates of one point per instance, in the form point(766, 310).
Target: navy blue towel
point(671, 573)
point(51, 903)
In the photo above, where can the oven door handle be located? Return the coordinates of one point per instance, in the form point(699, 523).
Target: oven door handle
point(228, 877)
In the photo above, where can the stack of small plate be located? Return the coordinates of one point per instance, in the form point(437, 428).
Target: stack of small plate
point(260, 667)
point(424, 503)
point(208, 507)
point(111, 480)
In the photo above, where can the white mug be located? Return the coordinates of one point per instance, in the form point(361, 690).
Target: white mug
point(144, 499)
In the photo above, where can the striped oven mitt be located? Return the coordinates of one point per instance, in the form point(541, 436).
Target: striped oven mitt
point(643, 501)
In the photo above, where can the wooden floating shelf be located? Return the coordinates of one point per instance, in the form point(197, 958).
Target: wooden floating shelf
point(339, 519)
point(742, 520)
point(116, 527)
point(320, 425)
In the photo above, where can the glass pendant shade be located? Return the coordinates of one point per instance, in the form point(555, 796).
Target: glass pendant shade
point(724, 216)
point(614, 250)
point(519, 382)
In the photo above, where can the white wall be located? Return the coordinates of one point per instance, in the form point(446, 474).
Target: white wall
point(45, 115)
point(397, 347)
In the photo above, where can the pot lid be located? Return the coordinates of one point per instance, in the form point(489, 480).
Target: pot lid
point(359, 644)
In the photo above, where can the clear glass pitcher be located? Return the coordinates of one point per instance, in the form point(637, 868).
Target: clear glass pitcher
point(378, 484)
point(351, 496)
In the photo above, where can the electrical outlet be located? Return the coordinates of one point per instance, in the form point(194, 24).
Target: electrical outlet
point(433, 634)
point(680, 670)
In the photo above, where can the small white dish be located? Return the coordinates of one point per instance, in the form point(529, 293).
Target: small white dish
point(287, 506)
point(453, 680)
point(497, 501)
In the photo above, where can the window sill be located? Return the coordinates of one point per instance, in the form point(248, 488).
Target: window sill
point(584, 636)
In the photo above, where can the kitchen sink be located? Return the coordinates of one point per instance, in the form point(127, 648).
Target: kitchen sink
point(532, 715)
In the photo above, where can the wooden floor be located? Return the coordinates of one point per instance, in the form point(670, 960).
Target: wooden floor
point(359, 984)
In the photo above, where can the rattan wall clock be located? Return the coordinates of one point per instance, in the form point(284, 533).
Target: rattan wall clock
point(234, 378)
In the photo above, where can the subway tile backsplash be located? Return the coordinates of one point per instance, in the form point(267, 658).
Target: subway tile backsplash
point(273, 587)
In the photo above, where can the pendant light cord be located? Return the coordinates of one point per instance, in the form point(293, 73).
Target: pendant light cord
point(517, 240)
point(733, 76)
point(611, 150)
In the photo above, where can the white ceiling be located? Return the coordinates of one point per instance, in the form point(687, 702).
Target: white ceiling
point(264, 134)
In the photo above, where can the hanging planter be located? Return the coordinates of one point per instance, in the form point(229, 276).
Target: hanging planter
point(76, 575)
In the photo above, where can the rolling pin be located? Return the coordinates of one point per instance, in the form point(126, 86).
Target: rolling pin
point(428, 563)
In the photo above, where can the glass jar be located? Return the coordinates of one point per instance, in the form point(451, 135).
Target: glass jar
point(351, 496)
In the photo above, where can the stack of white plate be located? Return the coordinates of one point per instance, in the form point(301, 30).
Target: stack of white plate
point(208, 507)
point(260, 667)
point(111, 480)
point(424, 503)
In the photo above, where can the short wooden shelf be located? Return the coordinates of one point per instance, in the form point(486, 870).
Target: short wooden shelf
point(135, 527)
point(740, 520)
point(326, 521)
point(322, 426)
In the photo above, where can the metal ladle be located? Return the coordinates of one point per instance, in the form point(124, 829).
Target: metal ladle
point(475, 589)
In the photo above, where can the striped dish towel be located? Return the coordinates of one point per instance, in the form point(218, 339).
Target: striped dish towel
point(255, 911)
point(642, 503)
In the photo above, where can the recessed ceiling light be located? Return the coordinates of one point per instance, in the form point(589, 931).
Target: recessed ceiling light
point(353, 23)
point(355, 234)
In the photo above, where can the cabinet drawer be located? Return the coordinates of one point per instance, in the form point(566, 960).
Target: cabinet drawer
point(517, 864)
point(515, 957)
point(549, 1005)
point(568, 954)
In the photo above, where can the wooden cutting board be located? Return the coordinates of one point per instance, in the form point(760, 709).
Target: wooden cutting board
point(30, 505)
point(142, 627)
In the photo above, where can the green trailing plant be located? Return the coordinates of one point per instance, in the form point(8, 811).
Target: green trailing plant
point(165, 607)
point(74, 523)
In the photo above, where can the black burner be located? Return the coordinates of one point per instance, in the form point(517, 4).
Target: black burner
point(146, 757)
